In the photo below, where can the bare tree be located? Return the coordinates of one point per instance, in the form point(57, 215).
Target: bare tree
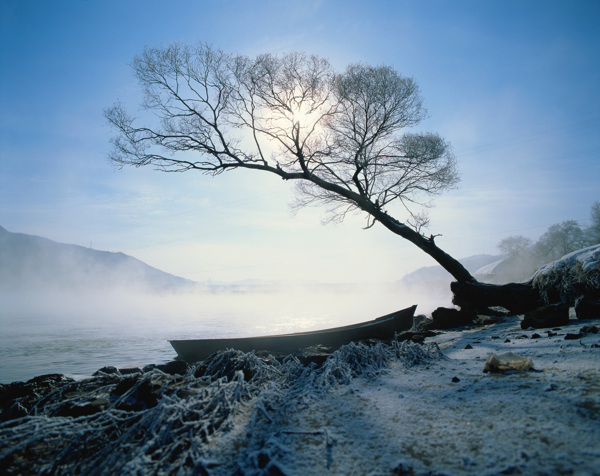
point(339, 136)
point(594, 229)
point(559, 239)
point(515, 245)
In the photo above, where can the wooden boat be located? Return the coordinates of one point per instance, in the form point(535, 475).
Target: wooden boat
point(384, 327)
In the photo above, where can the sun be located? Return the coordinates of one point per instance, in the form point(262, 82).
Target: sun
point(299, 114)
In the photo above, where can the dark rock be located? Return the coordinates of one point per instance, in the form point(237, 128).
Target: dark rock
point(75, 410)
point(455, 379)
point(421, 322)
point(108, 370)
point(589, 330)
point(317, 359)
point(175, 367)
point(483, 320)
point(468, 346)
point(124, 386)
point(149, 368)
point(129, 371)
point(445, 318)
point(418, 338)
point(535, 336)
point(134, 394)
point(550, 333)
point(149, 393)
point(573, 336)
point(551, 315)
point(18, 397)
point(587, 308)
point(17, 411)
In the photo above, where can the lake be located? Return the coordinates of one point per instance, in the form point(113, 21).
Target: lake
point(76, 333)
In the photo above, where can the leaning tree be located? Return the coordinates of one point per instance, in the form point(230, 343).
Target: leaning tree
point(339, 136)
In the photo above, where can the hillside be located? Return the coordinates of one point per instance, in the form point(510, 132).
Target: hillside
point(31, 261)
point(431, 274)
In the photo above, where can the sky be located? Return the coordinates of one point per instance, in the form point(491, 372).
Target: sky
point(512, 85)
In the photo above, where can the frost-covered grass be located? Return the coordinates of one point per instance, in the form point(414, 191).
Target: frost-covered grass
point(191, 422)
point(570, 277)
point(382, 409)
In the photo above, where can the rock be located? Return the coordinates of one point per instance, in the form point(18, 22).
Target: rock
point(108, 370)
point(418, 338)
point(175, 367)
point(18, 397)
point(16, 411)
point(551, 315)
point(587, 308)
point(505, 362)
point(140, 395)
point(75, 410)
point(317, 359)
point(129, 371)
point(573, 336)
point(420, 323)
point(445, 318)
point(589, 330)
point(483, 320)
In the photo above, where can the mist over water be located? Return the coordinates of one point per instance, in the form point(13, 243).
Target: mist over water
point(73, 310)
point(56, 330)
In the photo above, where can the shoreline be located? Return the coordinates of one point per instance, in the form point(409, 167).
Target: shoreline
point(404, 408)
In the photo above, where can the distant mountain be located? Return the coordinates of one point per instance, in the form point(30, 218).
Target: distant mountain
point(27, 260)
point(429, 274)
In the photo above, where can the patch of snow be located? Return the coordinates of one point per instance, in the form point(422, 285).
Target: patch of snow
point(488, 269)
point(589, 258)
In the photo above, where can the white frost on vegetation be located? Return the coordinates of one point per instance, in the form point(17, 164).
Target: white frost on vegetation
point(587, 259)
point(570, 277)
point(370, 409)
point(195, 420)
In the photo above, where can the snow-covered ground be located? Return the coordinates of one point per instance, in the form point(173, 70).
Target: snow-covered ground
point(448, 417)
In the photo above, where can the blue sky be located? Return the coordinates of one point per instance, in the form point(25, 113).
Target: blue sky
point(513, 85)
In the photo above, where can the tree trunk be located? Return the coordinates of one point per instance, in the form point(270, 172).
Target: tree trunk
point(469, 294)
point(450, 264)
point(515, 297)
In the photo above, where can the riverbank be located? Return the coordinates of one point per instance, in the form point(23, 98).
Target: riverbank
point(377, 408)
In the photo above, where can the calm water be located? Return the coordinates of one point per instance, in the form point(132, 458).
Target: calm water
point(77, 334)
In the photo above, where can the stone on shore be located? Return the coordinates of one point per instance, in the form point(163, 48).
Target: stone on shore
point(552, 315)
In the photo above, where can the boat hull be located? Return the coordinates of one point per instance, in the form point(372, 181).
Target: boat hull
point(194, 350)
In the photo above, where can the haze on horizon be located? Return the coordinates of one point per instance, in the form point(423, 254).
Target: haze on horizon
point(512, 85)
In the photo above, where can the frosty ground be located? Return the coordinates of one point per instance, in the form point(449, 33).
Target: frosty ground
point(396, 408)
point(445, 416)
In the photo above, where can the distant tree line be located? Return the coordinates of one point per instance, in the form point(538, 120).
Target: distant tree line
point(559, 240)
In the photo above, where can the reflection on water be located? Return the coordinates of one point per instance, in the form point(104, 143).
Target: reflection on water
point(78, 334)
